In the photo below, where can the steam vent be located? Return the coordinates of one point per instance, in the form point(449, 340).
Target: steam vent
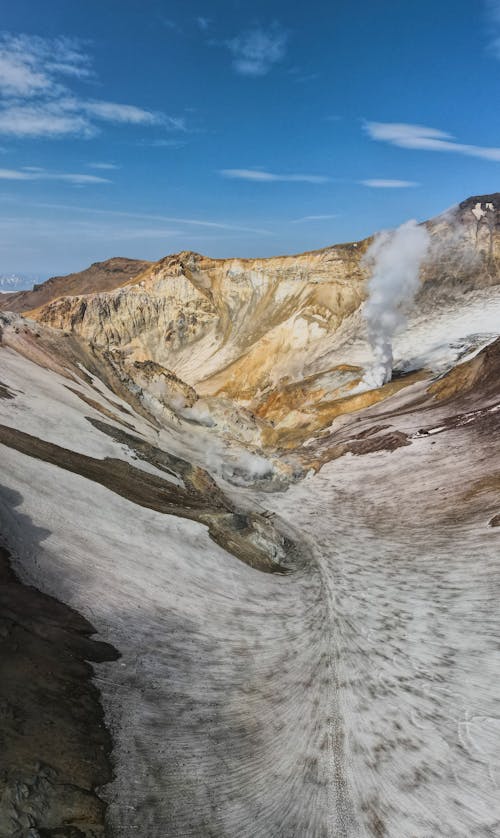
point(250, 517)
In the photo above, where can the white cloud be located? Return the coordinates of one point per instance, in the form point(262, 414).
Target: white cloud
point(256, 51)
point(30, 65)
point(261, 176)
point(114, 112)
point(203, 23)
point(422, 138)
point(18, 78)
point(13, 174)
point(79, 179)
point(314, 218)
point(387, 183)
point(47, 119)
point(103, 166)
point(36, 98)
point(35, 173)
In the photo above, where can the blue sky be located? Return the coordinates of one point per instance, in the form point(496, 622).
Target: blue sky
point(141, 127)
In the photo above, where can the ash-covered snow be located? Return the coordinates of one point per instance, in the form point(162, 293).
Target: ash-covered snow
point(411, 589)
point(356, 695)
point(44, 407)
point(432, 339)
point(438, 341)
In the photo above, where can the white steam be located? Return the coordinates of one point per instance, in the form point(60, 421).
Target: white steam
point(395, 258)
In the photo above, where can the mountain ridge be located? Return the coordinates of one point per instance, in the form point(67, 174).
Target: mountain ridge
point(117, 272)
point(99, 276)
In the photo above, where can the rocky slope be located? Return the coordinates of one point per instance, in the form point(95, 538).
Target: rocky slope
point(271, 335)
point(299, 573)
point(100, 276)
point(55, 749)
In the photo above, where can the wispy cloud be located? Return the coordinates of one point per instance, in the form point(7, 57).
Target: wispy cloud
point(141, 216)
point(169, 23)
point(36, 96)
point(82, 229)
point(301, 76)
point(103, 166)
point(35, 173)
point(493, 15)
point(256, 51)
point(164, 142)
point(30, 66)
point(387, 183)
point(45, 119)
point(419, 137)
point(260, 176)
point(307, 77)
point(115, 112)
point(203, 23)
point(95, 239)
point(307, 218)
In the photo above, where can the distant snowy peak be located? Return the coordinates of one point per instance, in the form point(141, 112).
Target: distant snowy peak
point(10, 282)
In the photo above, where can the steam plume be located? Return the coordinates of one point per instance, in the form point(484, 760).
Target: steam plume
point(395, 258)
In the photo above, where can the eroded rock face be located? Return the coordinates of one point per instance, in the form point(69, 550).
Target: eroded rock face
point(196, 315)
point(465, 250)
point(240, 327)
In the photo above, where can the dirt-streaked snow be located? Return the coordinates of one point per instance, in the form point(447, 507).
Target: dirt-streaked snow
point(356, 695)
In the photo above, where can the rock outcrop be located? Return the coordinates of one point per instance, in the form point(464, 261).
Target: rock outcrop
point(55, 748)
